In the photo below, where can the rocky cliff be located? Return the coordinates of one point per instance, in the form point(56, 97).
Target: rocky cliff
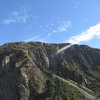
point(34, 71)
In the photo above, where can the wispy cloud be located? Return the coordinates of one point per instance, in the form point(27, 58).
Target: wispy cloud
point(34, 38)
point(8, 21)
point(77, 4)
point(90, 33)
point(61, 28)
point(17, 17)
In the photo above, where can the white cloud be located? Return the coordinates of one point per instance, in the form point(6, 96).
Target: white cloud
point(62, 28)
point(18, 17)
point(90, 33)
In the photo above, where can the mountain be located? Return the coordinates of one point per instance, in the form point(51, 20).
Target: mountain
point(34, 71)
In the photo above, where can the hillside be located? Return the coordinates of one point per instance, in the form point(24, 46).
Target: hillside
point(34, 71)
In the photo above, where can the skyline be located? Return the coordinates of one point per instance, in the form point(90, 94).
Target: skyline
point(50, 21)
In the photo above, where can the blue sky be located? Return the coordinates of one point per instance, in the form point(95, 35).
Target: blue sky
point(52, 21)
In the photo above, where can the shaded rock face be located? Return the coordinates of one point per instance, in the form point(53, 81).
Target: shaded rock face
point(14, 79)
point(25, 68)
point(13, 84)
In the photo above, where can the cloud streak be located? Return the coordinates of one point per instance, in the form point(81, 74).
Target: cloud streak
point(64, 48)
point(18, 17)
point(34, 38)
point(61, 28)
point(90, 33)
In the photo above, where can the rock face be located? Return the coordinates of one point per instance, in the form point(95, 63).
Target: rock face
point(27, 71)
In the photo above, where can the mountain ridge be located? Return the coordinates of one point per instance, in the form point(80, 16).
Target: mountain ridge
point(27, 71)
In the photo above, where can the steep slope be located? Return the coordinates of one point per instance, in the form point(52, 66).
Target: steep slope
point(33, 71)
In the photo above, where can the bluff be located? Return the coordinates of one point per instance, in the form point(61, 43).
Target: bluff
point(34, 71)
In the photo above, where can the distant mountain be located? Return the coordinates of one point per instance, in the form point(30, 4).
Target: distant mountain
point(34, 71)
